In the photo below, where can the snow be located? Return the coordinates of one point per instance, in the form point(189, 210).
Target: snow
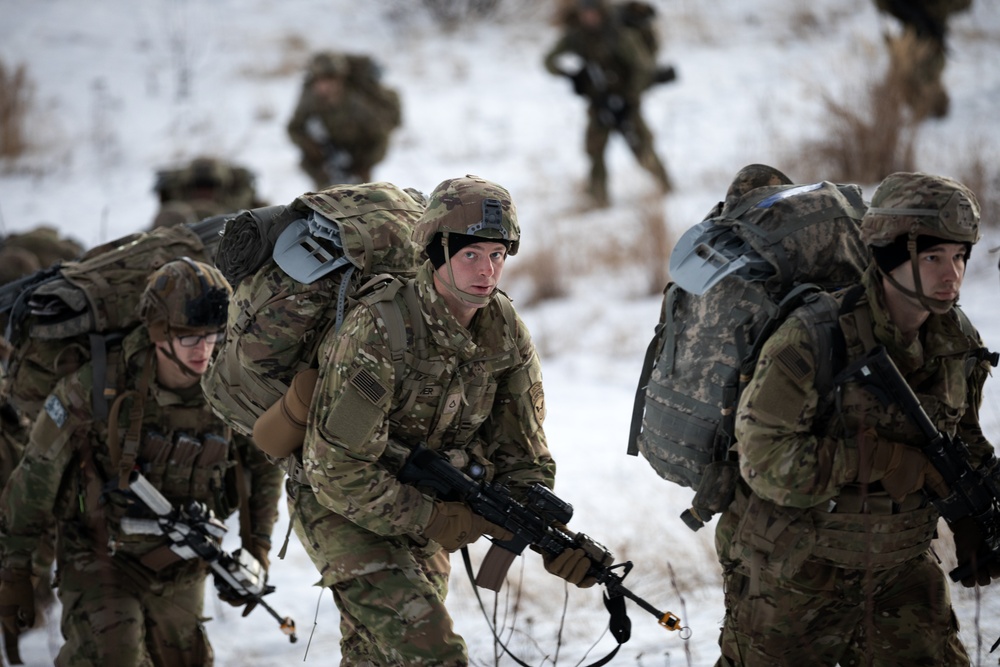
point(124, 88)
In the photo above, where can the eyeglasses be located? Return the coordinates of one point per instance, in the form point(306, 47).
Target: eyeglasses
point(211, 339)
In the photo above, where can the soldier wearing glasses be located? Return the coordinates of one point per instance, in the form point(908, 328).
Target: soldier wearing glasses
point(128, 599)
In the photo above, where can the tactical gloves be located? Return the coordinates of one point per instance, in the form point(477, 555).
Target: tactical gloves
point(968, 542)
point(571, 565)
point(901, 469)
point(454, 525)
point(17, 601)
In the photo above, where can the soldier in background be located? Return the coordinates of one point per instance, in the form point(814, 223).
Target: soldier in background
point(917, 55)
point(343, 119)
point(617, 47)
point(127, 597)
point(204, 187)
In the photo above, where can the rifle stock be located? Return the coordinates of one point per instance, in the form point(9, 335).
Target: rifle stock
point(539, 522)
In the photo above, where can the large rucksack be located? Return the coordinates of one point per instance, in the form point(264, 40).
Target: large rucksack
point(737, 274)
point(294, 271)
point(76, 311)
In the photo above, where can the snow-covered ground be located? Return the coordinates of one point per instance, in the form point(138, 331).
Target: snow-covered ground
point(123, 88)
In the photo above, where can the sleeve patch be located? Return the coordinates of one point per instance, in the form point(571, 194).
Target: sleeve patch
point(792, 362)
point(369, 386)
point(56, 411)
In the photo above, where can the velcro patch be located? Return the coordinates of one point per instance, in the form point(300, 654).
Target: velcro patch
point(369, 386)
point(790, 359)
point(56, 411)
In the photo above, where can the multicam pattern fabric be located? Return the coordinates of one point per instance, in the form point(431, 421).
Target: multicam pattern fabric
point(97, 294)
point(481, 401)
point(854, 543)
point(275, 323)
point(921, 204)
point(185, 452)
point(359, 124)
point(456, 207)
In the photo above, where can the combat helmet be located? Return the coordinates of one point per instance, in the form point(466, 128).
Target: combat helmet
point(907, 210)
point(327, 64)
point(467, 210)
point(184, 297)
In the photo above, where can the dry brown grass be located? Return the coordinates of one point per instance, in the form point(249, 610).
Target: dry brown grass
point(16, 96)
point(869, 134)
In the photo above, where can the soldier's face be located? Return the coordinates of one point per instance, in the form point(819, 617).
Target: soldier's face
point(195, 357)
point(328, 87)
point(941, 269)
point(476, 268)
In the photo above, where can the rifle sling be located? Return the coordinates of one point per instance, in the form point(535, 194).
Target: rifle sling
point(620, 624)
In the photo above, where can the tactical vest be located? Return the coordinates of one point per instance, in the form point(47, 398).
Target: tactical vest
point(860, 528)
point(183, 450)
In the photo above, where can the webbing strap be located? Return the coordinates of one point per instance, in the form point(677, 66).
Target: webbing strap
point(620, 625)
point(131, 449)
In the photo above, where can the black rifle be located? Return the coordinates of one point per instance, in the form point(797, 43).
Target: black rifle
point(539, 522)
point(195, 532)
point(973, 492)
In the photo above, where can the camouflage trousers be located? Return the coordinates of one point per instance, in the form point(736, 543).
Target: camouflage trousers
point(113, 618)
point(637, 135)
point(390, 592)
point(828, 616)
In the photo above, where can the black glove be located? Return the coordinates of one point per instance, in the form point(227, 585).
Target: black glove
point(581, 82)
point(665, 74)
point(17, 601)
point(968, 552)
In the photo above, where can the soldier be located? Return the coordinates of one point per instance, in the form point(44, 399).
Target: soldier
point(826, 548)
point(917, 55)
point(618, 66)
point(204, 187)
point(22, 255)
point(127, 598)
point(343, 119)
point(474, 393)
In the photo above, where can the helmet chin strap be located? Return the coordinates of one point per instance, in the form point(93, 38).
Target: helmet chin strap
point(171, 354)
point(452, 287)
point(931, 304)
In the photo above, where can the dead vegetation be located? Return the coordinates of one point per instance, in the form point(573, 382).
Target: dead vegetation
point(16, 96)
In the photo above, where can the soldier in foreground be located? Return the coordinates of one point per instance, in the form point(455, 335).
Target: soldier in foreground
point(826, 548)
point(471, 390)
point(343, 119)
point(204, 187)
point(127, 598)
point(618, 66)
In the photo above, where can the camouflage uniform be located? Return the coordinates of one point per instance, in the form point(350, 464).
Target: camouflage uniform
point(128, 599)
point(819, 567)
point(205, 187)
point(917, 55)
point(342, 137)
point(619, 67)
point(473, 394)
point(22, 255)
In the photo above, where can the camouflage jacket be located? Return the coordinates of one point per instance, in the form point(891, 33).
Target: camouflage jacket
point(355, 124)
point(789, 457)
point(185, 451)
point(623, 63)
point(478, 398)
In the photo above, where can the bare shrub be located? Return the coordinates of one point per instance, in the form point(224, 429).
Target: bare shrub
point(655, 244)
point(869, 134)
point(545, 271)
point(16, 94)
